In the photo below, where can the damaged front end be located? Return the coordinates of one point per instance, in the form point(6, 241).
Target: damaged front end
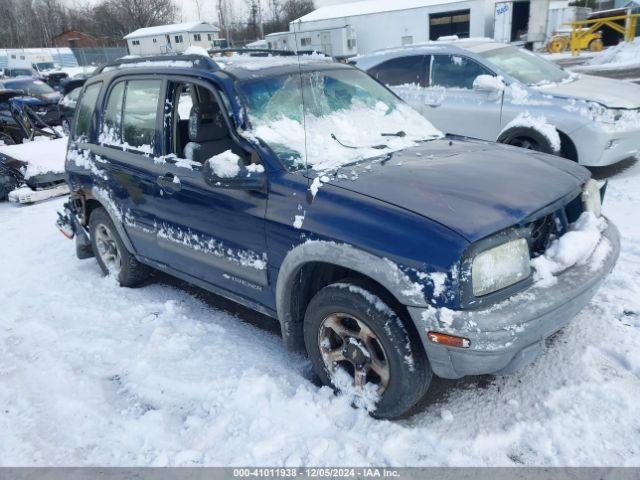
point(18, 189)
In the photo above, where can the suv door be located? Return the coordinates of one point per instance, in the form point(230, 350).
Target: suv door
point(126, 149)
point(406, 76)
point(454, 106)
point(211, 233)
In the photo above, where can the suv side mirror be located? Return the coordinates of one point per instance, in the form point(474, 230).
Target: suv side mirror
point(488, 84)
point(227, 170)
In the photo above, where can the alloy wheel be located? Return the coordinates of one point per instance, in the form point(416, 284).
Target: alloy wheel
point(348, 343)
point(108, 249)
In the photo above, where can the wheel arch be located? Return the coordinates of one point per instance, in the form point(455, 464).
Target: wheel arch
point(568, 148)
point(99, 198)
point(315, 264)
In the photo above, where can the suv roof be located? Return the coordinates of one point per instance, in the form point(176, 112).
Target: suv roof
point(474, 45)
point(238, 63)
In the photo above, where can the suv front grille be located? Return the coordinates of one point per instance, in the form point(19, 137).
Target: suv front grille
point(542, 231)
point(548, 227)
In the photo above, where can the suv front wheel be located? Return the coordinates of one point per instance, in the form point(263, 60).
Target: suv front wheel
point(110, 252)
point(359, 345)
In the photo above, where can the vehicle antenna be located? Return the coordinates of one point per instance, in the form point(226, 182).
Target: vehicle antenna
point(304, 109)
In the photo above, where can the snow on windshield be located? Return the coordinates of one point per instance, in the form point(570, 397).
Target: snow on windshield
point(347, 117)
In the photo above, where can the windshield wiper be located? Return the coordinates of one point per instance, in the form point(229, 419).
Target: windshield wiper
point(400, 134)
point(377, 147)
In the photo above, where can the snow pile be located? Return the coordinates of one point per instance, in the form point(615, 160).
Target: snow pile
point(255, 168)
point(623, 55)
point(573, 248)
point(248, 62)
point(539, 124)
point(489, 82)
point(225, 164)
point(298, 221)
point(359, 129)
point(366, 397)
point(42, 155)
point(196, 50)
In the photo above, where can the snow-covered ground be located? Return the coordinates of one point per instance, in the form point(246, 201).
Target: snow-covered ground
point(93, 374)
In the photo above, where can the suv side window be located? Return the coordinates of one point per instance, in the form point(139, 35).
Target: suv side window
point(455, 71)
point(140, 112)
point(86, 106)
point(401, 71)
point(112, 118)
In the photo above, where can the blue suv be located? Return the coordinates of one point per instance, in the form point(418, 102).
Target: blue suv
point(306, 190)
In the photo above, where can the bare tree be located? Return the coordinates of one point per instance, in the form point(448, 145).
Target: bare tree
point(33, 23)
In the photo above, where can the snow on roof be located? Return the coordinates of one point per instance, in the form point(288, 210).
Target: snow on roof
point(473, 44)
point(367, 7)
point(275, 34)
point(257, 44)
point(173, 28)
point(248, 62)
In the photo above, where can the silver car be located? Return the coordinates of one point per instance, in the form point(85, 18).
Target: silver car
point(498, 92)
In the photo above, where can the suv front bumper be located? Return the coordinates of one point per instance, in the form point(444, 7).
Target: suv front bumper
point(511, 334)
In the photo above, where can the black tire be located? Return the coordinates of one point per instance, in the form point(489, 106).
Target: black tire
point(7, 185)
point(7, 139)
point(409, 372)
point(130, 272)
point(529, 139)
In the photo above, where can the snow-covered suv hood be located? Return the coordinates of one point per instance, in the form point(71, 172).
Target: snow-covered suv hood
point(606, 91)
point(474, 188)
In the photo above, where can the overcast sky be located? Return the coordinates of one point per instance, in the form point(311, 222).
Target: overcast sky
point(188, 8)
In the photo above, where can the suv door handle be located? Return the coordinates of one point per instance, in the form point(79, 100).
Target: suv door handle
point(169, 182)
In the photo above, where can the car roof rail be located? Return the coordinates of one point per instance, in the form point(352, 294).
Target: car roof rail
point(197, 61)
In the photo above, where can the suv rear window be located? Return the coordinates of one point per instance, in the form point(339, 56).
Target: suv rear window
point(401, 71)
point(140, 112)
point(455, 71)
point(86, 107)
point(130, 115)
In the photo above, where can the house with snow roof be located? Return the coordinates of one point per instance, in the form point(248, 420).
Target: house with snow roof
point(175, 38)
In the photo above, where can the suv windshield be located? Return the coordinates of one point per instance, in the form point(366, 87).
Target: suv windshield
point(347, 116)
point(525, 66)
point(31, 87)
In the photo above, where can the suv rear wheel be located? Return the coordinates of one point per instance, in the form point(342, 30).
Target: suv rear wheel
point(359, 345)
point(111, 254)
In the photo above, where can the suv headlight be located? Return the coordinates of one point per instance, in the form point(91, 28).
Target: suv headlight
point(591, 200)
point(501, 266)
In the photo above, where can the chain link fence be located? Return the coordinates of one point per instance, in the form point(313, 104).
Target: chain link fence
point(98, 56)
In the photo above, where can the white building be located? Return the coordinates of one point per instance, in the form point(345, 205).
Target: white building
point(174, 38)
point(371, 25)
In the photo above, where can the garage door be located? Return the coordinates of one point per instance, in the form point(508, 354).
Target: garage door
point(449, 23)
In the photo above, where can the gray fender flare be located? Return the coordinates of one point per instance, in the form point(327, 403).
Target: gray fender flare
point(103, 197)
point(382, 270)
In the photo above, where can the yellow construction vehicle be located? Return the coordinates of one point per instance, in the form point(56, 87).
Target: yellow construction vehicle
point(582, 39)
point(582, 31)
